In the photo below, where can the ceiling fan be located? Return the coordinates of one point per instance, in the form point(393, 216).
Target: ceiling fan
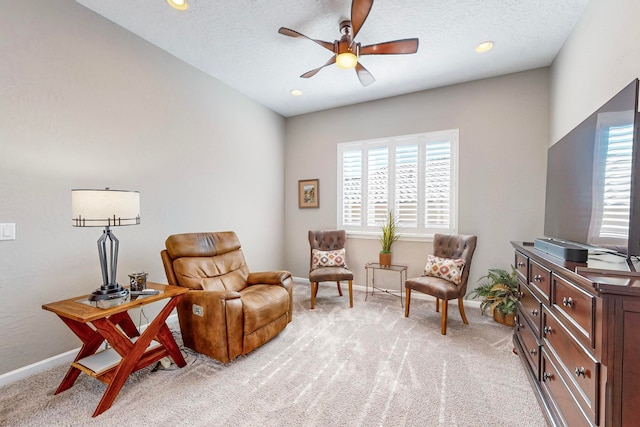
point(346, 51)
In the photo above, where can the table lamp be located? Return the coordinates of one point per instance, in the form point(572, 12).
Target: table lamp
point(106, 208)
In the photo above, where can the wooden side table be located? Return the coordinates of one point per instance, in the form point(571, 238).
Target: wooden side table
point(373, 266)
point(130, 350)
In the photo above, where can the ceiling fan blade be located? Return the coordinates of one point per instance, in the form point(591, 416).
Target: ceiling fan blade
point(395, 47)
point(359, 11)
point(365, 77)
point(292, 33)
point(315, 71)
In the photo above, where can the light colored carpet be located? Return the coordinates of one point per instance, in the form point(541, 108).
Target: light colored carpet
point(333, 366)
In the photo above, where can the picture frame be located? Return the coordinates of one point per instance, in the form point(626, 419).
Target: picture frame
point(308, 193)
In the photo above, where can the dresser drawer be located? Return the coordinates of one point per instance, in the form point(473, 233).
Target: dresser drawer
point(522, 266)
point(581, 371)
point(575, 305)
point(529, 342)
point(561, 398)
point(540, 280)
point(529, 305)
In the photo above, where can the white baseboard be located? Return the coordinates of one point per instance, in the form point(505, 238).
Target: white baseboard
point(36, 368)
point(414, 295)
point(61, 359)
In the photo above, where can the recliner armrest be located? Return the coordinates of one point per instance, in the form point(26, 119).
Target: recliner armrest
point(268, 278)
point(276, 278)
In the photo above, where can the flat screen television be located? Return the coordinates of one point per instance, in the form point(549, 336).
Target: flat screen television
point(593, 179)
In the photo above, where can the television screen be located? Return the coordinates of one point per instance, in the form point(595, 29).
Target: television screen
point(593, 192)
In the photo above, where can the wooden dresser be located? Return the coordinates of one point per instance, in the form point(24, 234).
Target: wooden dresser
point(577, 332)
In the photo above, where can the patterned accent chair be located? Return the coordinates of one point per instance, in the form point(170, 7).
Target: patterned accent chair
point(327, 262)
point(443, 286)
point(228, 310)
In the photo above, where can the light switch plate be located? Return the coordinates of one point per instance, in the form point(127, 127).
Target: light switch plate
point(8, 231)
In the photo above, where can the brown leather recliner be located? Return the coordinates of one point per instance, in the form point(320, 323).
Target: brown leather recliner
point(229, 311)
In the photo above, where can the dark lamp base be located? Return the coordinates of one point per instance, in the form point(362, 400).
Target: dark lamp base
point(109, 292)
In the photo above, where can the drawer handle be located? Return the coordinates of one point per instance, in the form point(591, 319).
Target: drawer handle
point(520, 294)
point(520, 264)
point(533, 352)
point(580, 371)
point(537, 278)
point(547, 376)
point(519, 326)
point(547, 330)
point(567, 302)
point(534, 312)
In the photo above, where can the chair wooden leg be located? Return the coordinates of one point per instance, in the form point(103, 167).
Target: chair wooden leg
point(313, 294)
point(339, 289)
point(437, 305)
point(407, 301)
point(350, 293)
point(461, 308)
point(445, 308)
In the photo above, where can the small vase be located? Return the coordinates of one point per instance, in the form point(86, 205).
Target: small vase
point(385, 259)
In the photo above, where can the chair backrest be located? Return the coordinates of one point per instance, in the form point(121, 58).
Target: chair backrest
point(209, 261)
point(326, 240)
point(456, 246)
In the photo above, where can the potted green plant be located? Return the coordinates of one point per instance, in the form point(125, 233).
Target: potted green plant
point(387, 239)
point(500, 294)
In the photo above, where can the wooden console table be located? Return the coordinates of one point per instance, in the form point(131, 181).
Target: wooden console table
point(373, 266)
point(130, 350)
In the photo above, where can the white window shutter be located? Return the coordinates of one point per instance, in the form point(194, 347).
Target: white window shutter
point(413, 175)
point(352, 188)
point(406, 185)
point(437, 186)
point(377, 185)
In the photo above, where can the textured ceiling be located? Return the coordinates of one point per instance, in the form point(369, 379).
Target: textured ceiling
point(237, 42)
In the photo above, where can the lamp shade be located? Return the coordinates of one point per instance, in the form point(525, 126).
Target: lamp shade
point(105, 208)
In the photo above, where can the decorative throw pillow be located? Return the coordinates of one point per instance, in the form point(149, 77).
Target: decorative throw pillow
point(445, 268)
point(328, 258)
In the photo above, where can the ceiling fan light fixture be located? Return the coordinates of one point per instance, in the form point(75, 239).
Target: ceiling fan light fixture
point(484, 47)
point(346, 51)
point(346, 60)
point(178, 4)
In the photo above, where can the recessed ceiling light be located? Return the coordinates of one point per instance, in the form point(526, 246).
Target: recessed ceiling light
point(484, 47)
point(178, 4)
point(296, 92)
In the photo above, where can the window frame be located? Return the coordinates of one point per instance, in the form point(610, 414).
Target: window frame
point(420, 232)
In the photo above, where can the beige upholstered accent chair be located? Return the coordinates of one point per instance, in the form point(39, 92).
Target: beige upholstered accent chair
point(451, 247)
point(228, 310)
point(322, 270)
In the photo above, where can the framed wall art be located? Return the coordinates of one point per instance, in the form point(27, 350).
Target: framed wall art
point(308, 193)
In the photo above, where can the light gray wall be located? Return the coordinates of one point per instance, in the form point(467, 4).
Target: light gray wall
point(600, 58)
point(504, 135)
point(86, 104)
